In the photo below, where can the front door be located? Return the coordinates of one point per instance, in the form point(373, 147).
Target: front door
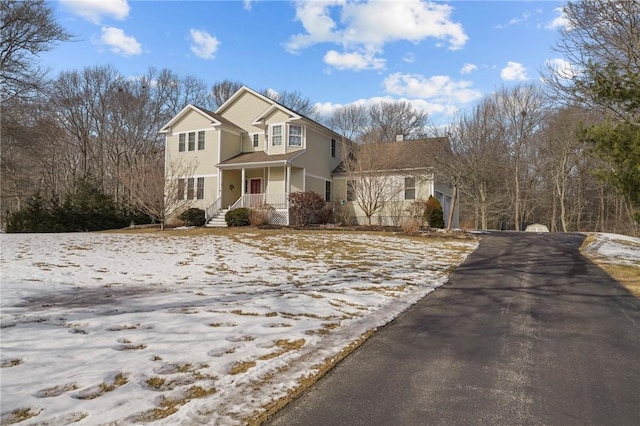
point(255, 186)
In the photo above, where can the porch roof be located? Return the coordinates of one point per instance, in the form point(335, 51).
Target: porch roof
point(258, 159)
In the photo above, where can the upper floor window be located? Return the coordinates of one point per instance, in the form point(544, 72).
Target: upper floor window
point(192, 141)
point(333, 148)
point(295, 135)
point(410, 188)
point(255, 140)
point(327, 190)
point(276, 135)
point(201, 140)
point(181, 141)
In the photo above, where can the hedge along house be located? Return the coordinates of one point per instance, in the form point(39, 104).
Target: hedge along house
point(251, 150)
point(386, 178)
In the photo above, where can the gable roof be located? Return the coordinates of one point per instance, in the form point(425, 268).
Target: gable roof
point(275, 105)
point(216, 119)
point(410, 154)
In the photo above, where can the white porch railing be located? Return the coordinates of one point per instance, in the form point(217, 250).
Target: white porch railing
point(277, 201)
point(213, 209)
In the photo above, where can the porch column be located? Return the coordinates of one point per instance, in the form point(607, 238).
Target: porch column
point(287, 187)
point(242, 179)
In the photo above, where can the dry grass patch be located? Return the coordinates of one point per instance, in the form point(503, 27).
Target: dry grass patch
point(19, 415)
point(241, 367)
point(6, 363)
point(117, 381)
point(285, 346)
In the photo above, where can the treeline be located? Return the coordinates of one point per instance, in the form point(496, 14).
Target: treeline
point(565, 153)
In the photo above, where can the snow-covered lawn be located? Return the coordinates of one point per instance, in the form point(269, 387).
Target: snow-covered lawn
point(186, 328)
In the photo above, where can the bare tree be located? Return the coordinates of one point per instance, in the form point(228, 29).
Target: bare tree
point(156, 193)
point(519, 114)
point(390, 119)
point(601, 40)
point(223, 90)
point(27, 28)
point(350, 121)
point(370, 180)
point(477, 160)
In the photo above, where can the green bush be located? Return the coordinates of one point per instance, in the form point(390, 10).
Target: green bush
point(433, 214)
point(85, 208)
point(237, 217)
point(193, 217)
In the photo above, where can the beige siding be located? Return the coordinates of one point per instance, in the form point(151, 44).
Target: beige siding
point(247, 142)
point(317, 158)
point(316, 185)
point(244, 110)
point(276, 180)
point(297, 179)
point(231, 144)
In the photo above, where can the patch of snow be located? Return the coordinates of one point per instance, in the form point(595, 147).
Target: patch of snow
point(114, 328)
point(615, 249)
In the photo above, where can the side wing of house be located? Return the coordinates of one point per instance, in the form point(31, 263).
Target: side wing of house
point(193, 148)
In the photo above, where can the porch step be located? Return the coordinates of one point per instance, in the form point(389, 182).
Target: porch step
point(218, 221)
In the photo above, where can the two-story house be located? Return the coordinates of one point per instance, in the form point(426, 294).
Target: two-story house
point(250, 150)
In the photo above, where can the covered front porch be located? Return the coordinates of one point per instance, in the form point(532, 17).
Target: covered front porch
point(252, 184)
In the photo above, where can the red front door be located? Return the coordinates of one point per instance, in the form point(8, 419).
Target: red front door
point(255, 186)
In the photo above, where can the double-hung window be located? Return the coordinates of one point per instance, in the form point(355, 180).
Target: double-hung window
point(295, 135)
point(333, 148)
point(410, 188)
point(190, 183)
point(255, 140)
point(181, 142)
point(201, 140)
point(192, 141)
point(327, 190)
point(200, 189)
point(276, 135)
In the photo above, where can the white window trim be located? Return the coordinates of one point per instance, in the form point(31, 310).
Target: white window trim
point(414, 187)
point(302, 135)
point(282, 134)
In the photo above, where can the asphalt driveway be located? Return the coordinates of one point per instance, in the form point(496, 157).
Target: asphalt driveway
point(526, 332)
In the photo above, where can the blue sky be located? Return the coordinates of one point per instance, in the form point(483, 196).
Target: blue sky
point(441, 56)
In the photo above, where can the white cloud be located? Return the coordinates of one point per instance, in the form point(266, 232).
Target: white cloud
point(525, 17)
point(409, 57)
point(368, 26)
point(468, 68)
point(560, 21)
point(353, 61)
point(514, 71)
point(204, 45)
point(93, 10)
point(561, 68)
point(120, 43)
point(247, 4)
point(440, 88)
